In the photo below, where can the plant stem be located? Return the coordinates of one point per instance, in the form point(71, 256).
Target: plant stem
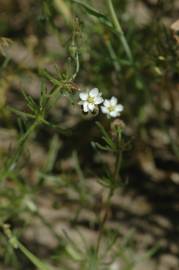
point(118, 27)
point(117, 166)
point(104, 219)
point(109, 197)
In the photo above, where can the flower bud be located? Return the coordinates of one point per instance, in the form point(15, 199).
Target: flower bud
point(117, 126)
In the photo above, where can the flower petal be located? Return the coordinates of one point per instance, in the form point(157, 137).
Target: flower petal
point(113, 101)
point(83, 95)
point(85, 107)
point(98, 100)
point(119, 108)
point(104, 109)
point(91, 107)
point(81, 102)
point(106, 103)
point(114, 114)
point(94, 92)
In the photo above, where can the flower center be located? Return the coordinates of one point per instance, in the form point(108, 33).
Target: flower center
point(111, 108)
point(91, 99)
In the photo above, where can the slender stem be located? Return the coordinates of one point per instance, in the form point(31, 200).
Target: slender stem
point(77, 66)
point(113, 55)
point(104, 219)
point(109, 197)
point(117, 166)
point(24, 138)
point(119, 30)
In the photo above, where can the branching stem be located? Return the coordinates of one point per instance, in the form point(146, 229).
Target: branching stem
point(118, 27)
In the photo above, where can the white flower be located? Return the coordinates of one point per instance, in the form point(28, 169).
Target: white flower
point(116, 266)
point(90, 99)
point(111, 107)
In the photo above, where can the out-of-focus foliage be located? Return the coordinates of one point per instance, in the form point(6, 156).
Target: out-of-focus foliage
point(73, 194)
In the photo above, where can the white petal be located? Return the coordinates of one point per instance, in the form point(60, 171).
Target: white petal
point(114, 114)
point(94, 92)
point(119, 108)
point(83, 95)
point(98, 100)
point(113, 101)
point(81, 102)
point(107, 103)
point(104, 109)
point(91, 106)
point(85, 107)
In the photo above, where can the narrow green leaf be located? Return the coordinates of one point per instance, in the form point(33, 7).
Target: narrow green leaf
point(106, 136)
point(47, 75)
point(22, 114)
point(30, 102)
point(36, 261)
point(92, 11)
point(100, 147)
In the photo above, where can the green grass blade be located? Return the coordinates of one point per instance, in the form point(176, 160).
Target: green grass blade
point(37, 262)
point(92, 11)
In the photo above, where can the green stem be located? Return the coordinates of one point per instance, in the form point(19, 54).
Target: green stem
point(24, 138)
point(104, 219)
point(113, 55)
point(109, 197)
point(118, 27)
point(117, 167)
point(77, 67)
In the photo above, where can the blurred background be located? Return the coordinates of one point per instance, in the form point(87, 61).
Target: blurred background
point(54, 188)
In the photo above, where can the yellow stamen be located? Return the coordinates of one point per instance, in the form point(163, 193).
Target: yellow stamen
point(111, 108)
point(91, 99)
